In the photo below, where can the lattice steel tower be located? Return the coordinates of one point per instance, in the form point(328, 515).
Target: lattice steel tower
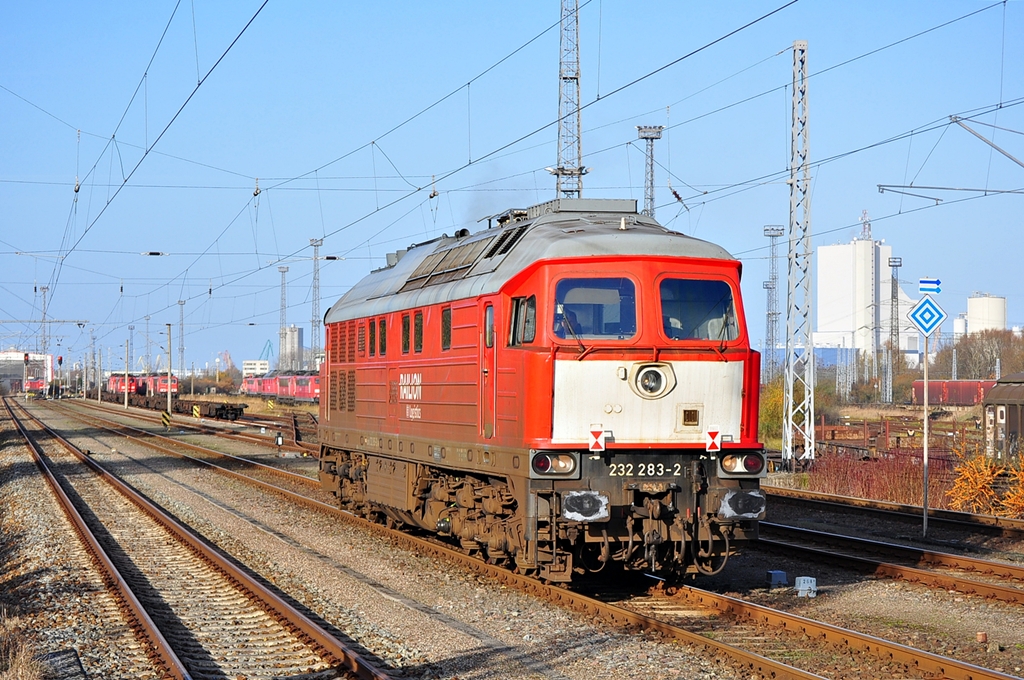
point(771, 287)
point(314, 326)
point(650, 133)
point(131, 345)
point(45, 340)
point(798, 424)
point(569, 171)
point(894, 326)
point(284, 359)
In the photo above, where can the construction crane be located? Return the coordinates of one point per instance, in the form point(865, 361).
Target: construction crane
point(268, 352)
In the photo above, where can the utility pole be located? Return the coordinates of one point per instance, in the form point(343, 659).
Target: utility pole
point(181, 334)
point(799, 397)
point(127, 364)
point(284, 359)
point(650, 133)
point(771, 286)
point(92, 354)
point(569, 171)
point(149, 350)
point(168, 369)
point(314, 340)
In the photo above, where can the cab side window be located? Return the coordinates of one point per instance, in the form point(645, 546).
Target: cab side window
point(524, 321)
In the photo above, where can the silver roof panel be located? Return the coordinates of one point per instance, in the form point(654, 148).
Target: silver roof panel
point(564, 228)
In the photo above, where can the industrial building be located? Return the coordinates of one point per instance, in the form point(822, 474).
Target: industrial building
point(985, 313)
point(251, 367)
point(291, 354)
point(854, 292)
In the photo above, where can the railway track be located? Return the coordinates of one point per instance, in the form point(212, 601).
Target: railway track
point(1013, 528)
point(302, 426)
point(754, 638)
point(202, 615)
point(1003, 581)
point(268, 438)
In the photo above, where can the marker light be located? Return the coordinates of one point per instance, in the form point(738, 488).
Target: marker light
point(750, 463)
point(559, 464)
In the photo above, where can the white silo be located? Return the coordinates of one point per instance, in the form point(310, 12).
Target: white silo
point(985, 313)
point(959, 327)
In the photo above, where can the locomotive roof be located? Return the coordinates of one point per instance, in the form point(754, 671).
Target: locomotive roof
point(451, 268)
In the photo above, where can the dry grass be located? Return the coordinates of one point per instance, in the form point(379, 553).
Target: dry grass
point(16, 660)
point(898, 479)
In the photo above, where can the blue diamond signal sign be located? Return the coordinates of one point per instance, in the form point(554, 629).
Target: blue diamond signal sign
point(927, 315)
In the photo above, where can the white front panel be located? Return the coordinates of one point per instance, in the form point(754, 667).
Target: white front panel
point(593, 393)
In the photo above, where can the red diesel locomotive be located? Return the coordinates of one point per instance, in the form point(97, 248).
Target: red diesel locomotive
point(569, 389)
point(285, 388)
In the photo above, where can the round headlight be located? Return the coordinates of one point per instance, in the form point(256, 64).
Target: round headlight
point(731, 464)
point(651, 380)
point(541, 464)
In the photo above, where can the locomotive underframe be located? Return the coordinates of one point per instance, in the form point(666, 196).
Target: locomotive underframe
point(681, 524)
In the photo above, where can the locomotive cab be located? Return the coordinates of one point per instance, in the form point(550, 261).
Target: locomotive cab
point(650, 368)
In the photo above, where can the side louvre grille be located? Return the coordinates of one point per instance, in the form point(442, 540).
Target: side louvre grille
point(351, 403)
point(339, 342)
point(334, 387)
point(351, 342)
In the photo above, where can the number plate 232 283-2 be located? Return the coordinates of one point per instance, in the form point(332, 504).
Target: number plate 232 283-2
point(645, 470)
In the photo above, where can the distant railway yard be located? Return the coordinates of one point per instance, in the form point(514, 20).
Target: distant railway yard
point(372, 602)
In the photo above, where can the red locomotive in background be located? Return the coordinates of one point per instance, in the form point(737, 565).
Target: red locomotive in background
point(285, 388)
point(145, 383)
point(35, 385)
point(569, 389)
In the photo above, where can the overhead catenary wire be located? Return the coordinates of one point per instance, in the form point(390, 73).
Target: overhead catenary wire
point(56, 275)
point(508, 145)
point(384, 207)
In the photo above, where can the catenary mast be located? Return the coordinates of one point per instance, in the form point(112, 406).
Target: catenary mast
point(799, 395)
point(314, 340)
point(771, 286)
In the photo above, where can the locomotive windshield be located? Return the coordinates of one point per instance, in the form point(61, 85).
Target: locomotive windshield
point(698, 310)
point(595, 308)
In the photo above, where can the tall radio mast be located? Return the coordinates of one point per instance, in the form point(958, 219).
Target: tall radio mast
point(569, 170)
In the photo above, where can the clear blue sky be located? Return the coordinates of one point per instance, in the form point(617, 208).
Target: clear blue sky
point(318, 100)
